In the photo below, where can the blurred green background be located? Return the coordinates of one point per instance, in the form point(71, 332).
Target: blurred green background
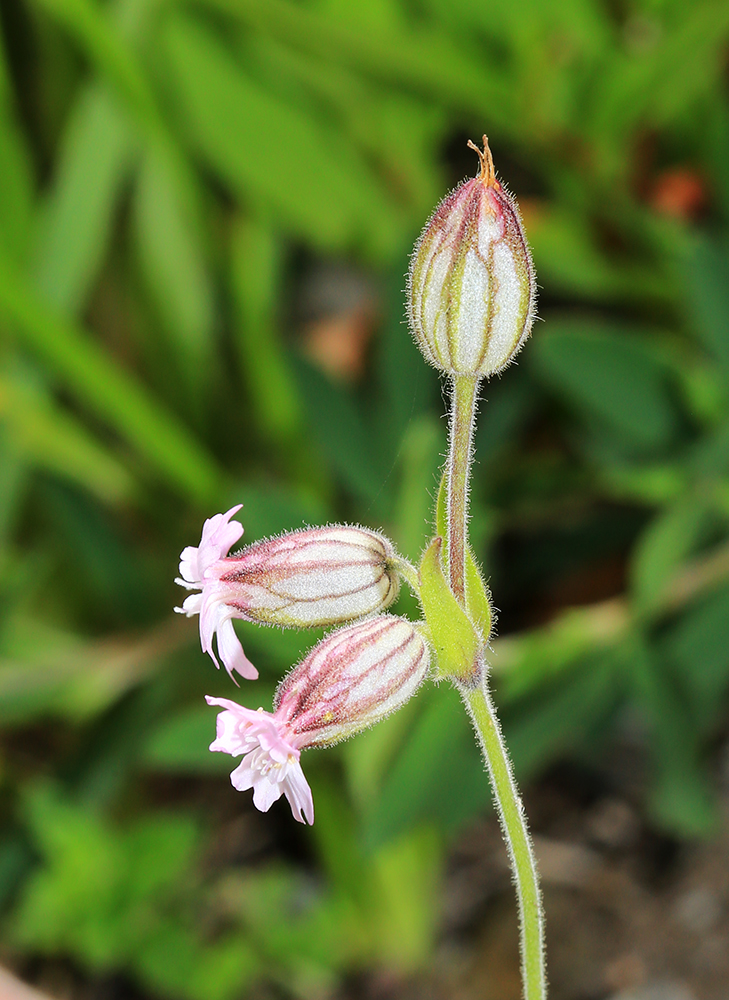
point(206, 210)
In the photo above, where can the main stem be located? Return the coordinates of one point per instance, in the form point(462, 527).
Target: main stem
point(516, 834)
point(460, 453)
point(478, 702)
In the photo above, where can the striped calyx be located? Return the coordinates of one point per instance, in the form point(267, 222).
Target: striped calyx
point(471, 284)
point(353, 678)
point(313, 577)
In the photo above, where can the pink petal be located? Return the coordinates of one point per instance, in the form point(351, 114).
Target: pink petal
point(299, 794)
point(244, 776)
point(219, 534)
point(231, 652)
point(265, 793)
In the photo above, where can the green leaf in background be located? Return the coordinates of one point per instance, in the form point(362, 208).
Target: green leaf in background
point(112, 898)
point(609, 375)
point(668, 540)
point(170, 246)
point(561, 716)
point(256, 268)
point(16, 179)
point(681, 798)
point(53, 440)
point(406, 386)
point(698, 646)
point(569, 259)
point(266, 151)
point(706, 274)
point(77, 218)
point(13, 483)
point(408, 881)
point(49, 673)
point(107, 47)
point(437, 776)
point(717, 147)
point(109, 390)
point(172, 962)
point(391, 890)
point(341, 430)
point(71, 900)
point(420, 457)
point(180, 744)
point(643, 86)
point(427, 60)
point(108, 568)
point(504, 408)
point(400, 132)
point(270, 508)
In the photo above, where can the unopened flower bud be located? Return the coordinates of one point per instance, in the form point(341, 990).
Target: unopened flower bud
point(313, 577)
point(350, 680)
point(471, 285)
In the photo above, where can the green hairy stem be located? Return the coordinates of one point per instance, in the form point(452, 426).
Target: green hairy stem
point(476, 697)
point(460, 454)
point(516, 834)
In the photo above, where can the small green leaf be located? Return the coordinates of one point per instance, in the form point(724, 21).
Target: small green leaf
point(455, 640)
point(478, 604)
point(477, 597)
point(663, 546)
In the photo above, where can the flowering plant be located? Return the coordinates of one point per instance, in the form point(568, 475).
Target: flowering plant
point(471, 305)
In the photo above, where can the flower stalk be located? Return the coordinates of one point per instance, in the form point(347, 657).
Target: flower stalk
point(460, 456)
point(516, 835)
point(472, 301)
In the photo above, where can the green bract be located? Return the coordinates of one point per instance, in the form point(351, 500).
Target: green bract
point(455, 640)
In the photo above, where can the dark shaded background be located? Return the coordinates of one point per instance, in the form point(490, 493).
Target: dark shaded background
point(206, 209)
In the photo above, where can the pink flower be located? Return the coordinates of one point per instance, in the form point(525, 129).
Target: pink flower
point(271, 763)
point(350, 680)
point(312, 577)
point(197, 572)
